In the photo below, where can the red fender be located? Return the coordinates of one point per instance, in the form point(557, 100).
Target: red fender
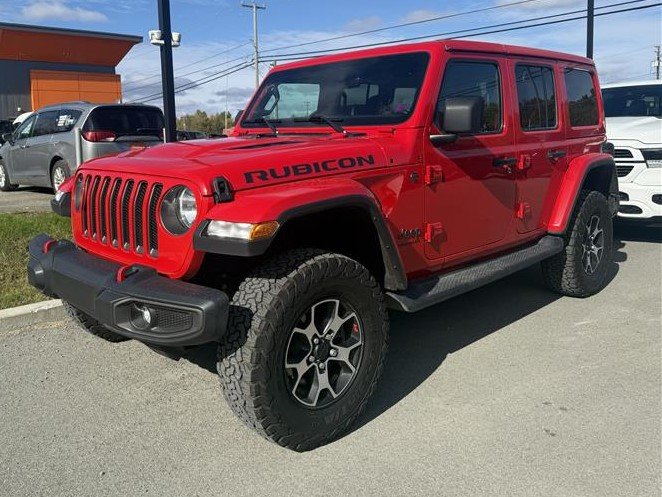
point(571, 185)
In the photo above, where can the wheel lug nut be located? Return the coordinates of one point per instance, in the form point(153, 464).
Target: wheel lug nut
point(333, 352)
point(316, 340)
point(322, 366)
point(311, 358)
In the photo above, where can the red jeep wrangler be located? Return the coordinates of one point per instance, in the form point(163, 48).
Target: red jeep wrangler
point(396, 177)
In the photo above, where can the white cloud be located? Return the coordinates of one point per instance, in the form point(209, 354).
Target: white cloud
point(57, 10)
point(420, 15)
point(364, 24)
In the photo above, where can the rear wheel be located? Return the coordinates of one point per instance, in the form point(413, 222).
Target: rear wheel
point(5, 183)
point(581, 269)
point(306, 344)
point(91, 325)
point(59, 174)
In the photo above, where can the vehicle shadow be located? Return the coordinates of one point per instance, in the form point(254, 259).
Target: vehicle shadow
point(420, 342)
point(35, 189)
point(637, 232)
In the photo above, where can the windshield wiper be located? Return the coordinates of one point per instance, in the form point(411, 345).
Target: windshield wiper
point(270, 124)
point(321, 118)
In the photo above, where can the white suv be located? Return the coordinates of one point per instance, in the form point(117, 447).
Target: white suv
point(634, 126)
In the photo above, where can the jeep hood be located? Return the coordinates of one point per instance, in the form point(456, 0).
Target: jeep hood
point(249, 162)
point(645, 129)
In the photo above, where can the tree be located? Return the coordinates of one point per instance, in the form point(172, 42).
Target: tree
point(207, 123)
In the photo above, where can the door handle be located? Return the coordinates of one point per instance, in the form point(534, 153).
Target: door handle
point(504, 161)
point(25, 146)
point(556, 154)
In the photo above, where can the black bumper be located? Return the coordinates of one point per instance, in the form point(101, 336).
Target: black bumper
point(180, 313)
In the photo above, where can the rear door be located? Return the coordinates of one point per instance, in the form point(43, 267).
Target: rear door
point(539, 134)
point(38, 156)
point(470, 192)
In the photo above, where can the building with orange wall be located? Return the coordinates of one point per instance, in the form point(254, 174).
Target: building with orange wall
point(42, 66)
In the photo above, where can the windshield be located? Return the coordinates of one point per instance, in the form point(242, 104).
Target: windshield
point(639, 101)
point(126, 120)
point(377, 90)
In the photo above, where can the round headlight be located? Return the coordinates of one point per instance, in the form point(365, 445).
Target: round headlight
point(178, 210)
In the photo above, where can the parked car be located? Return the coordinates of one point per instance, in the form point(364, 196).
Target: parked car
point(634, 127)
point(42, 150)
point(190, 135)
point(393, 177)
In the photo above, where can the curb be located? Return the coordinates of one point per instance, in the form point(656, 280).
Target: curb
point(31, 314)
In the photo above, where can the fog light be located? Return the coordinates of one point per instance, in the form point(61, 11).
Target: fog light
point(142, 317)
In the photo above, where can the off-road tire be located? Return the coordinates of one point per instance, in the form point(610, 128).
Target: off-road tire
point(564, 273)
point(62, 165)
point(91, 325)
point(6, 185)
point(262, 314)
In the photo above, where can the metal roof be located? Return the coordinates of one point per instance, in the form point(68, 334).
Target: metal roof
point(70, 32)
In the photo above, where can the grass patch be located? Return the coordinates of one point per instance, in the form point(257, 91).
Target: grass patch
point(15, 232)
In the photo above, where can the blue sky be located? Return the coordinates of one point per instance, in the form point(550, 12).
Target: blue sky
point(217, 31)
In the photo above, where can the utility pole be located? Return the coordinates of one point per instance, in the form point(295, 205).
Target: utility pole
point(657, 61)
point(256, 50)
point(167, 76)
point(590, 16)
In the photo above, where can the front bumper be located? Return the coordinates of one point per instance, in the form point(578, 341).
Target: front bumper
point(643, 201)
point(180, 313)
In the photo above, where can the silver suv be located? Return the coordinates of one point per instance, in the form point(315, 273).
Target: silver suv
point(42, 150)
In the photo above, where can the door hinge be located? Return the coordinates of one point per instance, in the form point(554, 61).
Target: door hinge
point(523, 210)
point(524, 162)
point(432, 230)
point(433, 174)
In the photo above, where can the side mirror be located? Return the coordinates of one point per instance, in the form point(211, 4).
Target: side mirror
point(8, 137)
point(238, 115)
point(459, 115)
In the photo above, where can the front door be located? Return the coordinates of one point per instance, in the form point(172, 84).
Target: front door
point(470, 192)
point(15, 159)
point(539, 136)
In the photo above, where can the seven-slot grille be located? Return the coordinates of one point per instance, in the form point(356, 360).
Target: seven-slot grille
point(113, 213)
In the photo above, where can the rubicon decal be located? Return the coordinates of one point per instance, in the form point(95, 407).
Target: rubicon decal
point(304, 169)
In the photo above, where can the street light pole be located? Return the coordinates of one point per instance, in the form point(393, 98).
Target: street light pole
point(590, 17)
point(256, 50)
point(167, 76)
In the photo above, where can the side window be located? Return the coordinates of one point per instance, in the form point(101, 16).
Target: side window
point(581, 97)
point(474, 79)
point(536, 97)
point(45, 124)
point(25, 129)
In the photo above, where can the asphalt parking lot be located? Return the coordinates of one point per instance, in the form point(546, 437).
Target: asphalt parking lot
point(509, 390)
point(26, 199)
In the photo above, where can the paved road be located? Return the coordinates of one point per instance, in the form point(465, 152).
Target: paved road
point(509, 390)
point(26, 199)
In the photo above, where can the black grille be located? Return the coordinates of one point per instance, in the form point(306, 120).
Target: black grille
point(623, 170)
point(153, 239)
point(138, 217)
point(172, 321)
point(126, 197)
point(121, 213)
point(622, 153)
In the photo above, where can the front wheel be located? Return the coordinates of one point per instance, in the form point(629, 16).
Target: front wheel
point(306, 344)
point(580, 270)
point(59, 174)
point(5, 183)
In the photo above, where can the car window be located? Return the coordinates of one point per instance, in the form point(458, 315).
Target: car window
point(474, 79)
point(126, 120)
point(634, 101)
point(536, 97)
point(45, 124)
point(24, 130)
point(582, 103)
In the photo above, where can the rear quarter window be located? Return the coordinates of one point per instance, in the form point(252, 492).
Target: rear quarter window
point(582, 103)
point(126, 121)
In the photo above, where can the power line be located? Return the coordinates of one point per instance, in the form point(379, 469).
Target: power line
point(404, 24)
point(158, 74)
point(436, 35)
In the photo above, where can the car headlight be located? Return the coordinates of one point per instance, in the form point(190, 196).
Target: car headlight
point(653, 157)
point(179, 210)
point(241, 231)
